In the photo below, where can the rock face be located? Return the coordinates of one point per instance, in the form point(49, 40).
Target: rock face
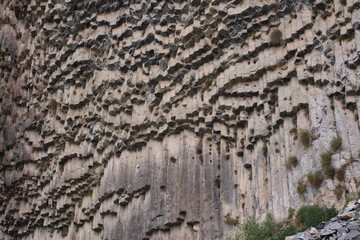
point(345, 226)
point(173, 119)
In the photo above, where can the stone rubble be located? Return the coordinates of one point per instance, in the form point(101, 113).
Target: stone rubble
point(345, 226)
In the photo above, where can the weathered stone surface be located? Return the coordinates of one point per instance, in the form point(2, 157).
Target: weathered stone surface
point(161, 119)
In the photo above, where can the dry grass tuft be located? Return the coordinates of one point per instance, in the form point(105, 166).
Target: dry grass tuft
point(336, 143)
point(315, 179)
point(305, 138)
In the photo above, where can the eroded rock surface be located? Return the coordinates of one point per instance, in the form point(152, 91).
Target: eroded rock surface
point(172, 119)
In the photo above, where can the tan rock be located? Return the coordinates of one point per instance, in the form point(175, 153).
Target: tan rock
point(313, 231)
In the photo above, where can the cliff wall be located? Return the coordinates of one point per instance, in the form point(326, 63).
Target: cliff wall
point(174, 119)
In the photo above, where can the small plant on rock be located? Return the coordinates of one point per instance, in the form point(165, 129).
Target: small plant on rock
point(265, 150)
point(63, 234)
point(315, 179)
point(88, 193)
point(340, 175)
point(326, 159)
point(336, 143)
point(301, 187)
point(305, 138)
point(330, 172)
point(294, 161)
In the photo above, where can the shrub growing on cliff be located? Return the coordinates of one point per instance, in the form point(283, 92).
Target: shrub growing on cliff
point(311, 216)
point(292, 162)
point(269, 229)
point(341, 173)
point(336, 143)
point(315, 179)
point(265, 150)
point(301, 188)
point(64, 233)
point(326, 159)
point(329, 170)
point(88, 193)
point(305, 138)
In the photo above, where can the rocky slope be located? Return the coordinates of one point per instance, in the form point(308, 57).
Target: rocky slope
point(345, 226)
point(173, 119)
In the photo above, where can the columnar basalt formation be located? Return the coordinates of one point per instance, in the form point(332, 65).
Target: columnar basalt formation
point(174, 119)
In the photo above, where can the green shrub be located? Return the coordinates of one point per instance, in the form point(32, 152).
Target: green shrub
point(336, 143)
point(286, 231)
point(301, 188)
point(269, 229)
point(315, 179)
point(272, 230)
point(305, 138)
point(311, 216)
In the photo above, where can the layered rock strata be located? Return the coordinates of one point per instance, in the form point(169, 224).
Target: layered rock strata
point(173, 119)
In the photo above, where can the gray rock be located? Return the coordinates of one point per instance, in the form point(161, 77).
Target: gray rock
point(352, 235)
point(334, 225)
point(355, 225)
point(326, 232)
